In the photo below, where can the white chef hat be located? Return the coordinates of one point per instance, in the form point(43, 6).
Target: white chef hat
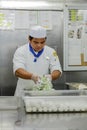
point(37, 32)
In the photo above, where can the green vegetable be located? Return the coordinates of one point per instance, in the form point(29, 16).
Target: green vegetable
point(44, 84)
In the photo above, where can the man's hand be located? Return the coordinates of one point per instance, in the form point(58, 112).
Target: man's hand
point(35, 78)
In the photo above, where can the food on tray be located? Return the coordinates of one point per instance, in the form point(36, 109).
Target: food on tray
point(81, 86)
point(43, 84)
point(40, 105)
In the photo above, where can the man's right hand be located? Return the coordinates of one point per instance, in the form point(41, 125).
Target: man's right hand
point(35, 78)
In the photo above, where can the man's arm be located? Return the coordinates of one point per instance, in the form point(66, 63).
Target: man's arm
point(23, 73)
point(55, 74)
point(26, 75)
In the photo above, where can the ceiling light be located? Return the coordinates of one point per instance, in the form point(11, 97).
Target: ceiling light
point(22, 4)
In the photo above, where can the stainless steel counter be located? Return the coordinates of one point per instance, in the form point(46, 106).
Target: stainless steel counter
point(70, 121)
point(17, 119)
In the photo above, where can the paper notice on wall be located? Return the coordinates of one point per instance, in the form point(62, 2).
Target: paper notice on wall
point(33, 17)
point(84, 44)
point(45, 19)
point(75, 38)
point(7, 20)
point(21, 16)
point(74, 54)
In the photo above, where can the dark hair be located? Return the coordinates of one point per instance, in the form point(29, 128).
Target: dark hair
point(30, 37)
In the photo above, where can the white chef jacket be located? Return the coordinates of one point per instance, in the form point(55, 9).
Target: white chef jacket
point(45, 64)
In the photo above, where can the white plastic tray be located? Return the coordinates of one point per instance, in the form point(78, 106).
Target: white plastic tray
point(55, 93)
point(56, 103)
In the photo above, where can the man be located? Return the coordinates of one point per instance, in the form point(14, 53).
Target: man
point(35, 59)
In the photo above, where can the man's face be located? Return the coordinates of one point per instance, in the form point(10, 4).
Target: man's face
point(38, 43)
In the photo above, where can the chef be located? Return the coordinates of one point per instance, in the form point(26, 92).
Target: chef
point(35, 59)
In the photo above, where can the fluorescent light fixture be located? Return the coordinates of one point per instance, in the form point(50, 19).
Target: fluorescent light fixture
point(22, 4)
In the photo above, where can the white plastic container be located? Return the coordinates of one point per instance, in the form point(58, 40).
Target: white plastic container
point(56, 103)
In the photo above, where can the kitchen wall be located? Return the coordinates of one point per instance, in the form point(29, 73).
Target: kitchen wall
point(11, 39)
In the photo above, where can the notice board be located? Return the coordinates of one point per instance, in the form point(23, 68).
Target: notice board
point(75, 38)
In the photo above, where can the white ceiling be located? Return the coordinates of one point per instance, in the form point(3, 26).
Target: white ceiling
point(60, 1)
